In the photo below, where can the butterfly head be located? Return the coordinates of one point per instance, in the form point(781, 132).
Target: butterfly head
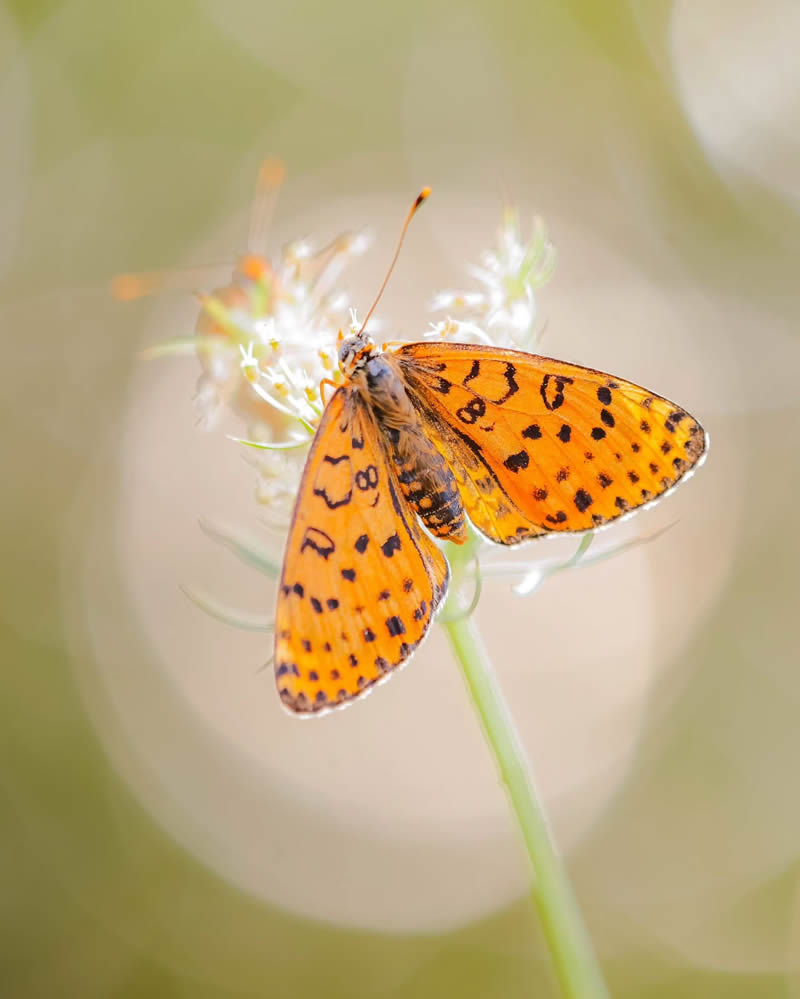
point(354, 352)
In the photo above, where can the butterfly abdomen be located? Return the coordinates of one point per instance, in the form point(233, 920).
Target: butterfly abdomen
point(424, 476)
point(428, 484)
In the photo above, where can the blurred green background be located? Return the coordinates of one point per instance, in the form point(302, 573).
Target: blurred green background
point(166, 830)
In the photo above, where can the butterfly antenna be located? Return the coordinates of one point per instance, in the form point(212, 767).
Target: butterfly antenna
point(423, 194)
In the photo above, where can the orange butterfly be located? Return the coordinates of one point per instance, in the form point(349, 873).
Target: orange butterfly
point(432, 434)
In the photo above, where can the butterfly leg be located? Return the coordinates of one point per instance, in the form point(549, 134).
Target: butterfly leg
point(322, 384)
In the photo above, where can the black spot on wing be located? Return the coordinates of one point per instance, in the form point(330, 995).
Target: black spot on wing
point(474, 371)
point(395, 626)
point(514, 462)
point(331, 501)
point(533, 432)
point(391, 545)
point(318, 541)
point(552, 390)
point(510, 376)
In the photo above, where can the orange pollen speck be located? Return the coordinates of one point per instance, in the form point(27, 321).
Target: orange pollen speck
point(272, 173)
point(254, 267)
point(127, 287)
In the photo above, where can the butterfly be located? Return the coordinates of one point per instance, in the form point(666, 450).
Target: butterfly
point(415, 442)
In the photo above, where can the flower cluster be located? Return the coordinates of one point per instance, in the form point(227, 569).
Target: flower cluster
point(503, 312)
point(268, 341)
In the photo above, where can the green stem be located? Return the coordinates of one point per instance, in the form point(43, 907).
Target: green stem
point(575, 962)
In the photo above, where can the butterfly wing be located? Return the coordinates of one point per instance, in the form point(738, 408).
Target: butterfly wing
point(360, 580)
point(540, 445)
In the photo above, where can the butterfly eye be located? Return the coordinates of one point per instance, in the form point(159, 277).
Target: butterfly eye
point(347, 350)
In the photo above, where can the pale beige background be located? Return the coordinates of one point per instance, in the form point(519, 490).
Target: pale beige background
point(171, 831)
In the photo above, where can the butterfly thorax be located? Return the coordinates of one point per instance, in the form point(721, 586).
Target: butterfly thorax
point(423, 475)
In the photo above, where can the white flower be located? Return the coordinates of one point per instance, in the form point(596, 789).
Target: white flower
point(282, 319)
point(504, 312)
point(249, 363)
point(279, 475)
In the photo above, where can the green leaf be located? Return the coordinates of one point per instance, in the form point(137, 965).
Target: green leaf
point(271, 445)
point(181, 346)
point(243, 546)
point(228, 615)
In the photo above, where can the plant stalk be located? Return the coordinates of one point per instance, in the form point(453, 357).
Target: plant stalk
point(576, 966)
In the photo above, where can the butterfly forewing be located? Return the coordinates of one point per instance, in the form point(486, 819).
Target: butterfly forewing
point(540, 445)
point(360, 580)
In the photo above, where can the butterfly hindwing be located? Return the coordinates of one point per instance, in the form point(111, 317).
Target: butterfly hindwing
point(541, 445)
point(360, 580)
